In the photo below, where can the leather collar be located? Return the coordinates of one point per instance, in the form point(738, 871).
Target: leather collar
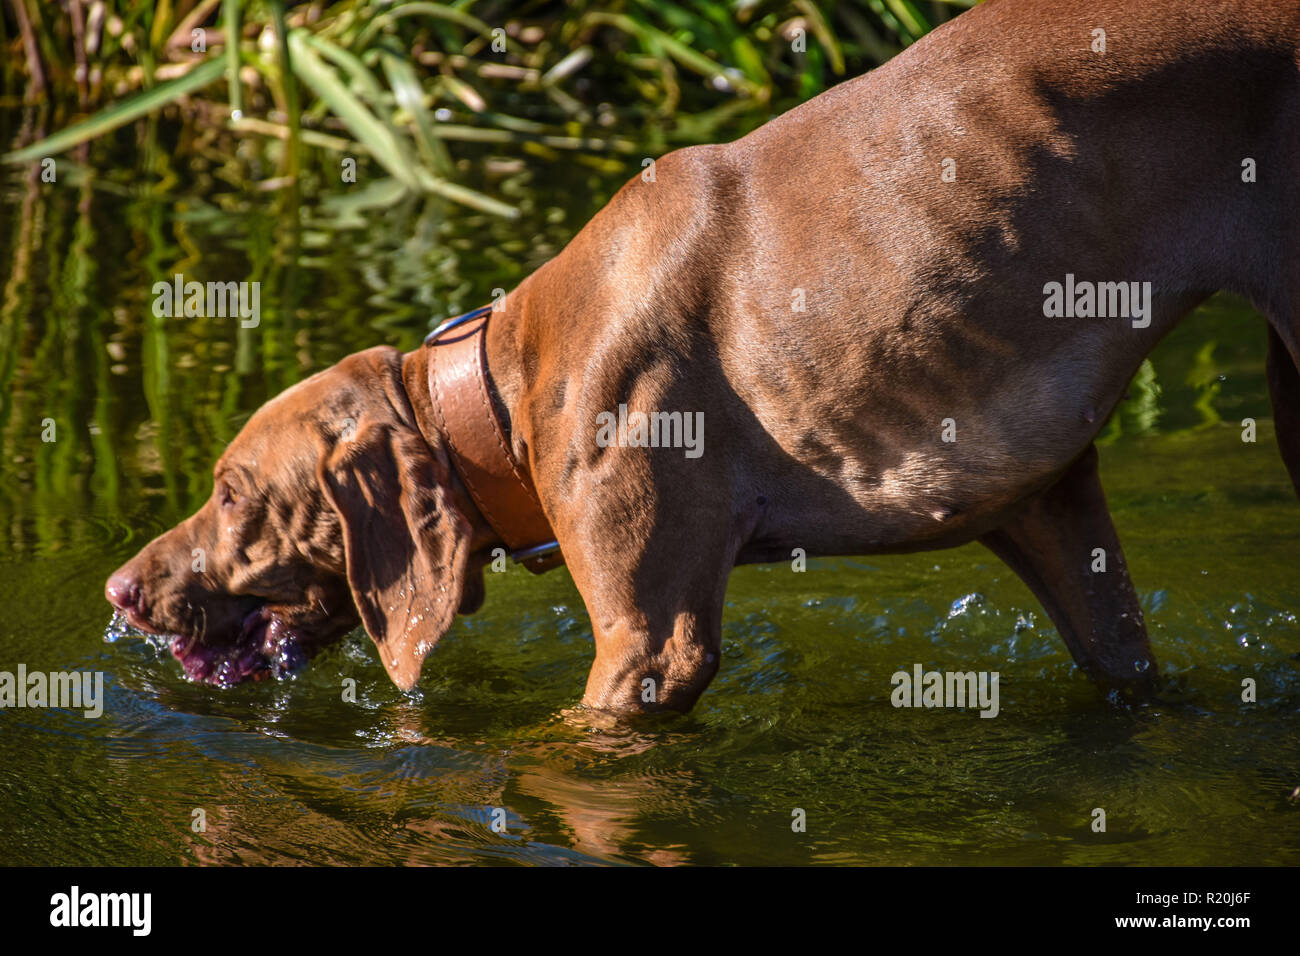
point(478, 444)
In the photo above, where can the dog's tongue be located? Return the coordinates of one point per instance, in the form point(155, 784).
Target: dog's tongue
point(222, 666)
point(281, 648)
point(265, 648)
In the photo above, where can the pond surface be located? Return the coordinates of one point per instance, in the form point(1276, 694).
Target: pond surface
point(800, 716)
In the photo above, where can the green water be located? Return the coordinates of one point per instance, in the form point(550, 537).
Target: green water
point(799, 717)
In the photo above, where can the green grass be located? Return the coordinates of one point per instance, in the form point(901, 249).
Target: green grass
point(394, 83)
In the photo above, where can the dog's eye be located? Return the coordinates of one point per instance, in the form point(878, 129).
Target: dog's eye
point(229, 496)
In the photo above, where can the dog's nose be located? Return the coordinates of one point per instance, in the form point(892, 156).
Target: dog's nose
point(122, 591)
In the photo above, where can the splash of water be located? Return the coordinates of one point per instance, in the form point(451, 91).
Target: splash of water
point(117, 628)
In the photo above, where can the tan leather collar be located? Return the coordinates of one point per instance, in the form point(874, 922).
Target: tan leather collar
point(478, 445)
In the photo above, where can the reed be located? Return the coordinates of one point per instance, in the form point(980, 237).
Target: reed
point(395, 83)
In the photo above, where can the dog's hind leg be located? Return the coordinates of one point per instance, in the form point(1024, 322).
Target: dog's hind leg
point(1284, 389)
point(1059, 542)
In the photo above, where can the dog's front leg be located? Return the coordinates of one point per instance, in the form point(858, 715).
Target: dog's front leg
point(1063, 545)
point(653, 572)
point(642, 669)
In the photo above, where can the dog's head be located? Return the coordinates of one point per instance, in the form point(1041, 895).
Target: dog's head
point(328, 508)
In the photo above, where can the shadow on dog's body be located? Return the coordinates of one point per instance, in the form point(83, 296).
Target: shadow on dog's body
point(917, 214)
point(924, 302)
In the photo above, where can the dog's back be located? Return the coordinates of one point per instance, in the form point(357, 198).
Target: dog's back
point(888, 247)
point(914, 301)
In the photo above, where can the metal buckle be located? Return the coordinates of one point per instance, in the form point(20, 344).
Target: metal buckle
point(536, 551)
point(451, 323)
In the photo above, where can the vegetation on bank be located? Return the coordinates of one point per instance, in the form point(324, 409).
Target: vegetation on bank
point(404, 84)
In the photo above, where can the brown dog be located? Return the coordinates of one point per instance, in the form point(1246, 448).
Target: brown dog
point(903, 308)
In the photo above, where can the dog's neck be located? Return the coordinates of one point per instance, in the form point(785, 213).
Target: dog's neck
point(415, 379)
point(451, 385)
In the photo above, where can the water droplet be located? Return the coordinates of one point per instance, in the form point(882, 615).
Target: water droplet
point(964, 604)
point(117, 628)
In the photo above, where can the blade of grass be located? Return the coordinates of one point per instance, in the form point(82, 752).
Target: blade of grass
point(889, 20)
point(910, 16)
point(410, 97)
point(377, 138)
point(360, 74)
point(182, 36)
point(464, 195)
point(823, 33)
point(750, 61)
point(435, 10)
point(290, 83)
point(381, 142)
point(450, 132)
point(35, 70)
point(568, 66)
point(119, 114)
point(230, 18)
point(462, 91)
point(868, 38)
point(78, 17)
point(691, 59)
point(162, 20)
point(311, 137)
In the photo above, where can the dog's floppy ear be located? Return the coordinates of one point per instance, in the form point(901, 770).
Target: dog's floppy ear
point(405, 543)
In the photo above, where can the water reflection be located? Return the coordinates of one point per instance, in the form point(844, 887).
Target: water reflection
point(799, 719)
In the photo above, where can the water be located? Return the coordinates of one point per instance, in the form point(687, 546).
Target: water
point(799, 718)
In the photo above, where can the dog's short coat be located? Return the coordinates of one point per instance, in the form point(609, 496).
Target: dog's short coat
point(918, 215)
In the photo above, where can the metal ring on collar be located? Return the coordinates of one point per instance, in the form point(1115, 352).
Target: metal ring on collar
point(537, 551)
point(451, 323)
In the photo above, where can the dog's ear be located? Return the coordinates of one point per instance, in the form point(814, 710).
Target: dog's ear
point(405, 543)
point(474, 592)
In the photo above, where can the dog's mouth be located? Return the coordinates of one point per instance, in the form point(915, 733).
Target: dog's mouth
point(265, 645)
